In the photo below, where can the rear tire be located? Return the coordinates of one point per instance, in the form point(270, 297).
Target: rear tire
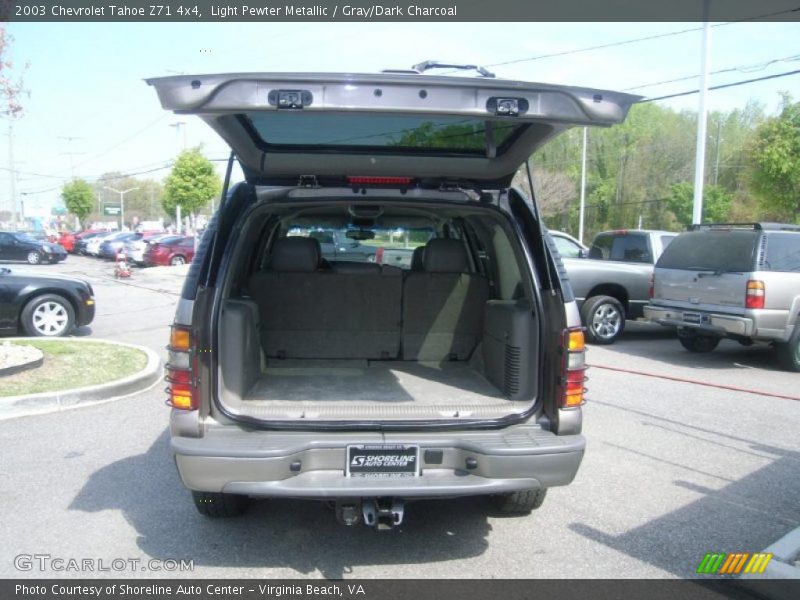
point(789, 352)
point(604, 318)
point(177, 260)
point(698, 342)
point(520, 503)
point(219, 506)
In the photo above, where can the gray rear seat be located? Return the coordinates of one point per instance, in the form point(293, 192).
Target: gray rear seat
point(443, 305)
point(341, 313)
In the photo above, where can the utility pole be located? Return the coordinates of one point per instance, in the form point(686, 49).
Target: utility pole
point(71, 153)
point(583, 188)
point(12, 172)
point(702, 118)
point(716, 162)
point(121, 204)
point(180, 126)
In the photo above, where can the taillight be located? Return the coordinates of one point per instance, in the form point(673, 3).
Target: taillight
point(182, 388)
point(379, 256)
point(573, 368)
point(756, 294)
point(651, 291)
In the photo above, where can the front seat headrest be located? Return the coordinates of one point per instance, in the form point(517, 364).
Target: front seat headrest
point(445, 256)
point(296, 255)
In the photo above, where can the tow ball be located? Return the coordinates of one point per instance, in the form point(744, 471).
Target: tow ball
point(384, 514)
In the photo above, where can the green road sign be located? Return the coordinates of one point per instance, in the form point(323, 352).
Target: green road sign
point(112, 210)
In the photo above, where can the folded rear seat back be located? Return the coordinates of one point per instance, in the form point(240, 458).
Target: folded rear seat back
point(346, 312)
point(443, 305)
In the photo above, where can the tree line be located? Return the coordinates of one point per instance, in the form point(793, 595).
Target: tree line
point(642, 172)
point(193, 185)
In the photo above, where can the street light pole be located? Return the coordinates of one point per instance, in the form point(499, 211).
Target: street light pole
point(702, 119)
point(121, 204)
point(583, 188)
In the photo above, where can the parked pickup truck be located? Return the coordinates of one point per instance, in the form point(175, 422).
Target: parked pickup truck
point(613, 283)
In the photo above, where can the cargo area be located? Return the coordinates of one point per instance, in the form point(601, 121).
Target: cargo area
point(308, 336)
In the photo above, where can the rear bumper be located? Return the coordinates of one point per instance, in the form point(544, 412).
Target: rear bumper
point(261, 463)
point(716, 323)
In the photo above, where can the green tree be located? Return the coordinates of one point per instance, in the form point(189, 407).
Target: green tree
point(775, 159)
point(191, 185)
point(716, 203)
point(79, 198)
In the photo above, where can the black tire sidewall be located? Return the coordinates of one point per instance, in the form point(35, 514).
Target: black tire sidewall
point(588, 309)
point(787, 352)
point(26, 316)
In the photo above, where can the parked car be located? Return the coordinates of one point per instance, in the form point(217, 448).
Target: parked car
point(732, 281)
point(169, 251)
point(82, 239)
point(93, 245)
point(336, 245)
point(612, 284)
point(110, 246)
point(136, 248)
point(22, 246)
point(43, 305)
point(363, 384)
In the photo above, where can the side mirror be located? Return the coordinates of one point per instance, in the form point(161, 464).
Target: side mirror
point(583, 253)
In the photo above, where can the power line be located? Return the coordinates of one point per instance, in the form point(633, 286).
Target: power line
point(636, 40)
point(741, 69)
point(722, 86)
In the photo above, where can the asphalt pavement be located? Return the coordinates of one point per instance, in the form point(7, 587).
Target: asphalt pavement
point(673, 470)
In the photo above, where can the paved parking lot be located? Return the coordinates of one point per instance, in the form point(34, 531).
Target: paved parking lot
point(673, 470)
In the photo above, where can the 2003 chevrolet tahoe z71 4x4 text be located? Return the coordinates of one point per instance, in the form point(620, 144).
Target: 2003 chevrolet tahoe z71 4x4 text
point(364, 384)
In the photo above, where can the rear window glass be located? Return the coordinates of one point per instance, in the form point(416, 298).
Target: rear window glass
point(783, 252)
point(621, 247)
point(716, 250)
point(389, 246)
point(404, 132)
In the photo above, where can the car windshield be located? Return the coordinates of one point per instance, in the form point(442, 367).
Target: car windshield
point(388, 246)
point(731, 250)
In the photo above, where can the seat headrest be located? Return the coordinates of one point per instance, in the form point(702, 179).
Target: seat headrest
point(445, 256)
point(416, 258)
point(296, 255)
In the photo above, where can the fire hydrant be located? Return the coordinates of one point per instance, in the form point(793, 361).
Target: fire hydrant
point(122, 269)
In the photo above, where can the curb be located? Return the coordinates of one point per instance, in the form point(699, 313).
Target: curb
point(47, 402)
point(21, 368)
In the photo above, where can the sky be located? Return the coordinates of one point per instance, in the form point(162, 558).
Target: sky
point(88, 111)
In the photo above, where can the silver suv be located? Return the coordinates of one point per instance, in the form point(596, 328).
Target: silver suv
point(292, 374)
point(736, 281)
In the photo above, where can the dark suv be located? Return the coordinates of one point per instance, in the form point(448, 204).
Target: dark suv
point(363, 383)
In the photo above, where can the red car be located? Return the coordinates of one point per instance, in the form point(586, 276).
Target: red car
point(170, 252)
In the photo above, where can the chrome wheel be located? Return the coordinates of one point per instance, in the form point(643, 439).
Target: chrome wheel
point(606, 321)
point(34, 258)
point(50, 319)
point(177, 260)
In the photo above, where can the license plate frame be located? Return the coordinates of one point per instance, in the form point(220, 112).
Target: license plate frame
point(692, 317)
point(405, 463)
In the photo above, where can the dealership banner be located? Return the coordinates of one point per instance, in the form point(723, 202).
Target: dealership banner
point(187, 11)
point(387, 589)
